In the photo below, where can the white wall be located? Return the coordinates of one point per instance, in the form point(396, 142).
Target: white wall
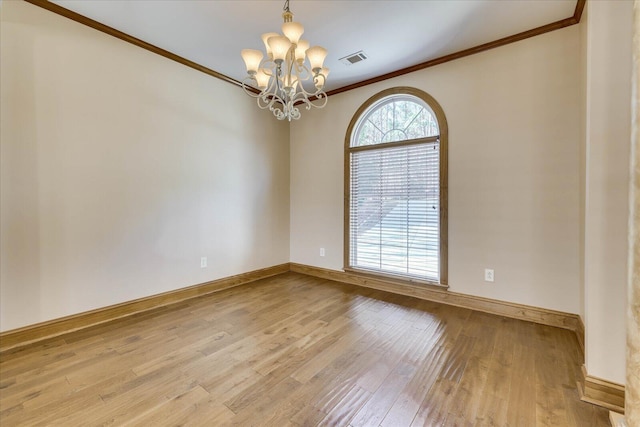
point(514, 170)
point(120, 169)
point(608, 145)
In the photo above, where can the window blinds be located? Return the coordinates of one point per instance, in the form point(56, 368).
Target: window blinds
point(395, 212)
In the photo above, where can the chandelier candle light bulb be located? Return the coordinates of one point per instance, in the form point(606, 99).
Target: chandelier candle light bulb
point(280, 75)
point(293, 31)
point(316, 57)
point(252, 59)
point(301, 50)
point(262, 78)
point(265, 38)
point(280, 46)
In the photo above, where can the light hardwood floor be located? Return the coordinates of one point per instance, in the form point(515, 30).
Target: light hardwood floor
point(297, 350)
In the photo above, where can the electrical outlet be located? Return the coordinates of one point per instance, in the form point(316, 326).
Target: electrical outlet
point(488, 275)
point(203, 262)
point(321, 251)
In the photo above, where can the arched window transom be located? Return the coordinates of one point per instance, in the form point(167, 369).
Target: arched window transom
point(396, 118)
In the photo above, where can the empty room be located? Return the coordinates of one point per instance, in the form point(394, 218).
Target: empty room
point(319, 213)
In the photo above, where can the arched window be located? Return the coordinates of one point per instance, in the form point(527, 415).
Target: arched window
point(396, 187)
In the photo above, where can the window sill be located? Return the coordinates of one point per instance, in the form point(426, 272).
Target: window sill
point(395, 280)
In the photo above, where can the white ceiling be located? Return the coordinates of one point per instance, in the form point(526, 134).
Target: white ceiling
point(393, 34)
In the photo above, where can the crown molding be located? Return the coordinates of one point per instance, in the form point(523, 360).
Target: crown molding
point(52, 7)
point(81, 19)
point(577, 13)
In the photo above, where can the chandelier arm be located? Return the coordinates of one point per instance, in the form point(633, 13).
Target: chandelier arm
point(322, 98)
point(267, 100)
point(291, 111)
point(248, 88)
point(316, 80)
point(301, 96)
point(306, 94)
point(303, 93)
point(291, 60)
point(277, 79)
point(315, 100)
point(268, 65)
point(268, 96)
point(303, 72)
point(272, 86)
point(263, 94)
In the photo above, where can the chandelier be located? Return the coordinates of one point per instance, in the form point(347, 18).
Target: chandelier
point(280, 75)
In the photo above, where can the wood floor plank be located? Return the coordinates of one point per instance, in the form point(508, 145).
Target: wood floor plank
point(407, 404)
point(521, 409)
point(294, 350)
point(336, 351)
point(36, 396)
point(172, 411)
point(345, 408)
point(135, 398)
point(435, 406)
point(376, 408)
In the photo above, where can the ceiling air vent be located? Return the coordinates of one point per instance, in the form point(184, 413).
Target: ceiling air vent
point(353, 58)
